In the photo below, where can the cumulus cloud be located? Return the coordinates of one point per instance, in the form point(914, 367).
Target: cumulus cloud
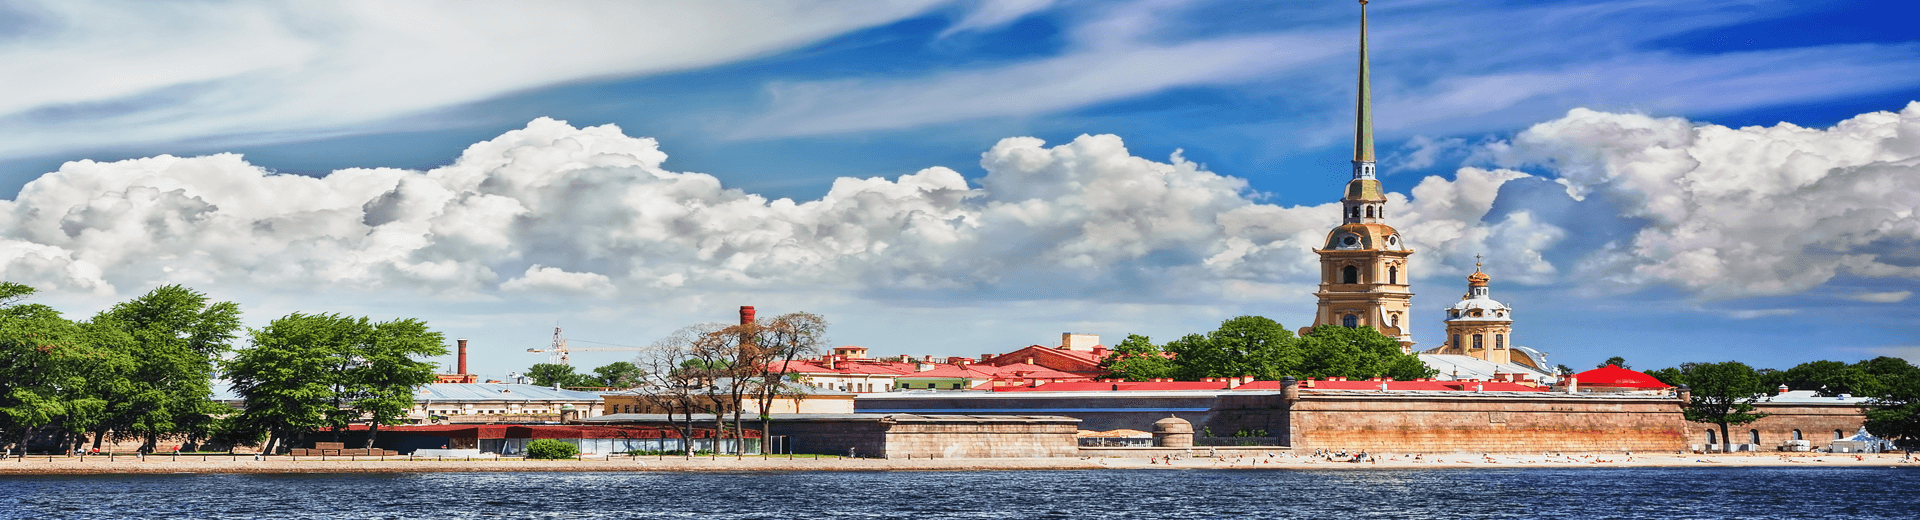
point(1740, 212)
point(554, 209)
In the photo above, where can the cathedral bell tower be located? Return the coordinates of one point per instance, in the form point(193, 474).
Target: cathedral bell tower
point(1363, 266)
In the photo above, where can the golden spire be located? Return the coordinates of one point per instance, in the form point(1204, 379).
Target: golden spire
point(1363, 113)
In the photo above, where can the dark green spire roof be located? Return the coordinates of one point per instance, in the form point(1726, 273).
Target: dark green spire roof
point(1363, 113)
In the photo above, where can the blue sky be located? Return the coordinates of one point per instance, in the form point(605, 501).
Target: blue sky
point(1621, 163)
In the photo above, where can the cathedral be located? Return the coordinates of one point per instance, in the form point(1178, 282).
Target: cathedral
point(1365, 279)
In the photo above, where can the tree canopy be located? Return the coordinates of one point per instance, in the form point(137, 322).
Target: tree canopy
point(308, 372)
point(1263, 348)
point(1723, 394)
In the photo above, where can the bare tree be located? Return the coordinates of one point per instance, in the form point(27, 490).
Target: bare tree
point(672, 382)
point(782, 341)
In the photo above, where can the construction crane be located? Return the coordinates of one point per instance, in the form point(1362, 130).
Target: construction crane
point(557, 353)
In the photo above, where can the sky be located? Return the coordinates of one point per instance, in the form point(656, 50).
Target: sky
point(1663, 181)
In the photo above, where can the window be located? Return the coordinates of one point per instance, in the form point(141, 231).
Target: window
point(1753, 437)
point(1477, 343)
point(1354, 212)
point(1395, 320)
point(1349, 274)
point(1499, 341)
point(1350, 321)
point(1712, 438)
point(956, 386)
point(1796, 435)
point(1393, 275)
point(1837, 435)
point(1370, 213)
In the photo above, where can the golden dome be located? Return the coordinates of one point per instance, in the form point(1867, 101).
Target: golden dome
point(1478, 279)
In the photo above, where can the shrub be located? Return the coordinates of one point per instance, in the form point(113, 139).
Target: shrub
point(551, 449)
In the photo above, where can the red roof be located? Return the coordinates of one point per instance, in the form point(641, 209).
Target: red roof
point(543, 431)
point(1616, 377)
point(954, 371)
point(1123, 386)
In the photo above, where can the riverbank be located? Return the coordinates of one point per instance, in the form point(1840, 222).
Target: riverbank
point(163, 464)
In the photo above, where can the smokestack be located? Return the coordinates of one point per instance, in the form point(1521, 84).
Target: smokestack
point(463, 355)
point(746, 314)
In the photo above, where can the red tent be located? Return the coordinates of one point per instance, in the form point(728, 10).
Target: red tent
point(1616, 377)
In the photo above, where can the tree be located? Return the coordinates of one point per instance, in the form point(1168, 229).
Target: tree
point(1246, 345)
point(1894, 412)
point(305, 372)
point(1615, 361)
point(288, 378)
point(674, 380)
point(1357, 353)
point(618, 374)
point(780, 342)
point(178, 337)
point(1723, 394)
point(553, 374)
point(1137, 359)
point(551, 449)
point(385, 371)
point(1562, 370)
point(1829, 378)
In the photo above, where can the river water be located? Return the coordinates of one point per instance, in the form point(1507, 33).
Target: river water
point(1337, 494)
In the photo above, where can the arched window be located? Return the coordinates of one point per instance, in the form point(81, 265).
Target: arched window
point(1499, 341)
point(1395, 320)
point(1393, 274)
point(1753, 437)
point(1350, 321)
point(1477, 343)
point(1712, 437)
point(1796, 435)
point(1349, 274)
point(1837, 435)
point(1456, 341)
point(1370, 213)
point(1354, 212)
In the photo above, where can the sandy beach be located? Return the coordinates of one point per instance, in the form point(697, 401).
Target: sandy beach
point(164, 464)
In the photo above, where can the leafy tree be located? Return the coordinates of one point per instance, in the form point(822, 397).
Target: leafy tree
point(1894, 411)
point(305, 372)
point(1246, 345)
point(551, 449)
point(1723, 394)
point(1671, 376)
point(178, 337)
point(778, 343)
point(289, 378)
point(618, 374)
point(1615, 361)
point(1562, 370)
point(1137, 359)
point(1829, 378)
point(1356, 353)
point(385, 371)
point(553, 374)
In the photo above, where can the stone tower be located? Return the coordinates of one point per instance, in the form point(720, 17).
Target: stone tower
point(1363, 266)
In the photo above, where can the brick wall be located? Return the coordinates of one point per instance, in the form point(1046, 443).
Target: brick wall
point(1816, 423)
point(1488, 423)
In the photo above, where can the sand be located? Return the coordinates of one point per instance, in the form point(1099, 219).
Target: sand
point(163, 464)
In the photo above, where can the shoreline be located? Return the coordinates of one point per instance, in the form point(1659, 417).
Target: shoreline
point(222, 464)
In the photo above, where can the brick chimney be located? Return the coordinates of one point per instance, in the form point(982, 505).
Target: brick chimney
point(746, 314)
point(463, 355)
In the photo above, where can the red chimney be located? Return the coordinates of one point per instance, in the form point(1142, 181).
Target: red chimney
point(746, 314)
point(463, 355)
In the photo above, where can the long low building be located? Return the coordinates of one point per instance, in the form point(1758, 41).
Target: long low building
point(902, 435)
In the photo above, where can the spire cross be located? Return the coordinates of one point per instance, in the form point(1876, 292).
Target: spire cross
point(1476, 258)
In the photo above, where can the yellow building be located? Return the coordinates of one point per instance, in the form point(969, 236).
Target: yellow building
point(1363, 266)
point(1482, 328)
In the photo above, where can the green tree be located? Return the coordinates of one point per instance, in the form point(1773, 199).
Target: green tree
point(1246, 345)
point(1723, 394)
point(554, 374)
point(1356, 353)
point(618, 374)
point(289, 378)
point(1894, 412)
point(1137, 359)
point(178, 337)
point(385, 371)
point(1829, 378)
point(1615, 361)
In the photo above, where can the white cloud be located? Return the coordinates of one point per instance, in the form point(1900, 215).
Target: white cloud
point(590, 211)
point(1740, 212)
point(1880, 297)
point(118, 73)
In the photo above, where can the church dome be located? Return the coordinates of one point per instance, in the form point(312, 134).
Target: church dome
point(1477, 305)
point(1365, 237)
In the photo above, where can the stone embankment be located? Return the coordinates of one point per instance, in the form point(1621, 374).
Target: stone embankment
point(164, 464)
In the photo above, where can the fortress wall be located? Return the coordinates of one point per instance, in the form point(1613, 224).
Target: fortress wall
point(1816, 422)
point(1504, 423)
point(983, 439)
